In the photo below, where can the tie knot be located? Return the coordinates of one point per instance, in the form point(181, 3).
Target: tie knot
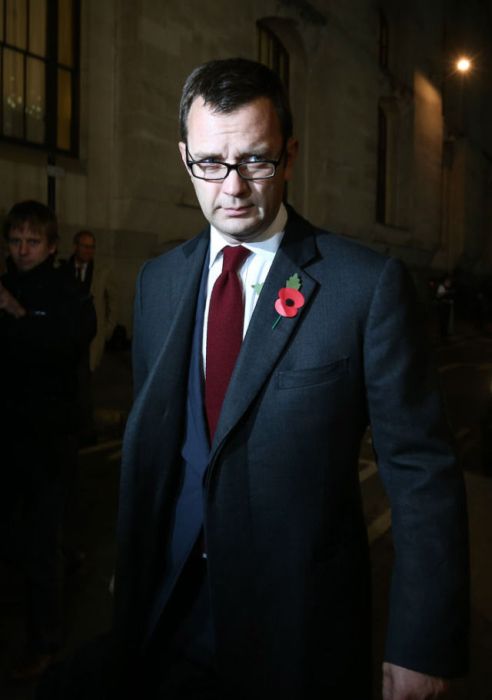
point(234, 256)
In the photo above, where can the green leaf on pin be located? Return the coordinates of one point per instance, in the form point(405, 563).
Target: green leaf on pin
point(257, 287)
point(294, 282)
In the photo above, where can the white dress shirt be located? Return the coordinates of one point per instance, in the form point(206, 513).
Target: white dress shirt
point(80, 271)
point(253, 271)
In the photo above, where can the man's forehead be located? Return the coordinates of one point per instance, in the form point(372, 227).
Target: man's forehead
point(254, 124)
point(26, 230)
point(200, 106)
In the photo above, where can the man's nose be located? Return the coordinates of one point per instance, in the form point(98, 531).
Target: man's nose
point(23, 247)
point(234, 185)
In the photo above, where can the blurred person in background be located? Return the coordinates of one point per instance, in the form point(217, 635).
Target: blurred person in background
point(94, 280)
point(44, 324)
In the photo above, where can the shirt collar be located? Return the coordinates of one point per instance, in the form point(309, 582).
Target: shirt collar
point(266, 245)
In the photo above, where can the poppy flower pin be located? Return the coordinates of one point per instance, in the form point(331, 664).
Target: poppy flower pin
point(290, 299)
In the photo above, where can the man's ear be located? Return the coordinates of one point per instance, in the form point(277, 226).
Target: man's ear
point(291, 151)
point(182, 150)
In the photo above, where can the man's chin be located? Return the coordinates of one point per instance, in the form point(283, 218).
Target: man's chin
point(239, 228)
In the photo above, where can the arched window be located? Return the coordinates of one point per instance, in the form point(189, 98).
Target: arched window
point(394, 161)
point(272, 53)
point(280, 47)
point(39, 73)
point(382, 171)
point(383, 41)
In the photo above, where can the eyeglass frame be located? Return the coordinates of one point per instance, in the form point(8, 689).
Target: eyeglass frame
point(234, 166)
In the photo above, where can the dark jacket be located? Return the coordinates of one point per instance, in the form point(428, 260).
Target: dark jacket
point(40, 351)
point(288, 556)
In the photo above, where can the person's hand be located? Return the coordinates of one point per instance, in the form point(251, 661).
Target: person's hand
point(10, 304)
point(403, 684)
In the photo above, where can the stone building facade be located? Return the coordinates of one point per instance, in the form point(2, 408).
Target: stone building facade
point(396, 148)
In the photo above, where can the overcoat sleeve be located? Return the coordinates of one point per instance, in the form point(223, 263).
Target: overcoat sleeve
point(428, 617)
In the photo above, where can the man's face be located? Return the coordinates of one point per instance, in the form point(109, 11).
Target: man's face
point(240, 209)
point(85, 247)
point(29, 248)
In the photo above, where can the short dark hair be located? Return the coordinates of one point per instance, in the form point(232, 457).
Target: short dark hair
point(39, 217)
point(228, 84)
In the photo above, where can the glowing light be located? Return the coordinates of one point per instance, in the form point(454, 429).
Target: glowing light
point(463, 64)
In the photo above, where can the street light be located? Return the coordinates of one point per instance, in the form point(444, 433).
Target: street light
point(460, 69)
point(463, 64)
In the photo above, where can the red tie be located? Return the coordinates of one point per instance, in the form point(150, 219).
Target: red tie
point(224, 333)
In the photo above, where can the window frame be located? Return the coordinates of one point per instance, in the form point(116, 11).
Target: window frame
point(384, 40)
point(52, 67)
point(382, 167)
point(278, 57)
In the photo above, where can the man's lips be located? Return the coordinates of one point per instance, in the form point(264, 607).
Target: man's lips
point(237, 211)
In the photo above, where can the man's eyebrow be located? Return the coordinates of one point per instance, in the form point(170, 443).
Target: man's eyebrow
point(262, 150)
point(199, 155)
point(30, 237)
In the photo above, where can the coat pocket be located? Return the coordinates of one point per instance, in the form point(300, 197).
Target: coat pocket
point(311, 376)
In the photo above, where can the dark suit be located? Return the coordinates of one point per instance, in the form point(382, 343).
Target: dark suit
point(288, 556)
point(86, 428)
point(70, 267)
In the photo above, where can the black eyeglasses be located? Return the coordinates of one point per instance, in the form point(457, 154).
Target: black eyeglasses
point(215, 170)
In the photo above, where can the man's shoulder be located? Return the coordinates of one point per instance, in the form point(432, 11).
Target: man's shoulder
point(177, 260)
point(65, 263)
point(59, 275)
point(66, 288)
point(336, 248)
point(349, 252)
point(101, 271)
point(64, 269)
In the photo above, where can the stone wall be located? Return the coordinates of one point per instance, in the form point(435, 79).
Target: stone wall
point(130, 187)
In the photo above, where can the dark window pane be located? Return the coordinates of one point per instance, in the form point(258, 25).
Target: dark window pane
point(37, 72)
point(13, 93)
point(16, 23)
point(65, 38)
point(381, 191)
point(37, 27)
point(262, 46)
point(2, 37)
point(63, 135)
point(383, 40)
point(283, 67)
point(273, 54)
point(35, 98)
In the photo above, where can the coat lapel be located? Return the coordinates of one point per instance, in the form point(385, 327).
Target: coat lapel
point(263, 344)
point(168, 376)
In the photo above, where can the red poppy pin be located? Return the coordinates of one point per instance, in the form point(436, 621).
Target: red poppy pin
point(290, 299)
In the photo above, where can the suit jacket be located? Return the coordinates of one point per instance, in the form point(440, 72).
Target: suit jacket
point(287, 546)
point(40, 352)
point(98, 285)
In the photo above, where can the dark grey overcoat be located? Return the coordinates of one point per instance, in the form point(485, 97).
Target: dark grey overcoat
point(287, 546)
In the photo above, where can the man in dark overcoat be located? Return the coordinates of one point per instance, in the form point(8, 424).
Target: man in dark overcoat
point(243, 560)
